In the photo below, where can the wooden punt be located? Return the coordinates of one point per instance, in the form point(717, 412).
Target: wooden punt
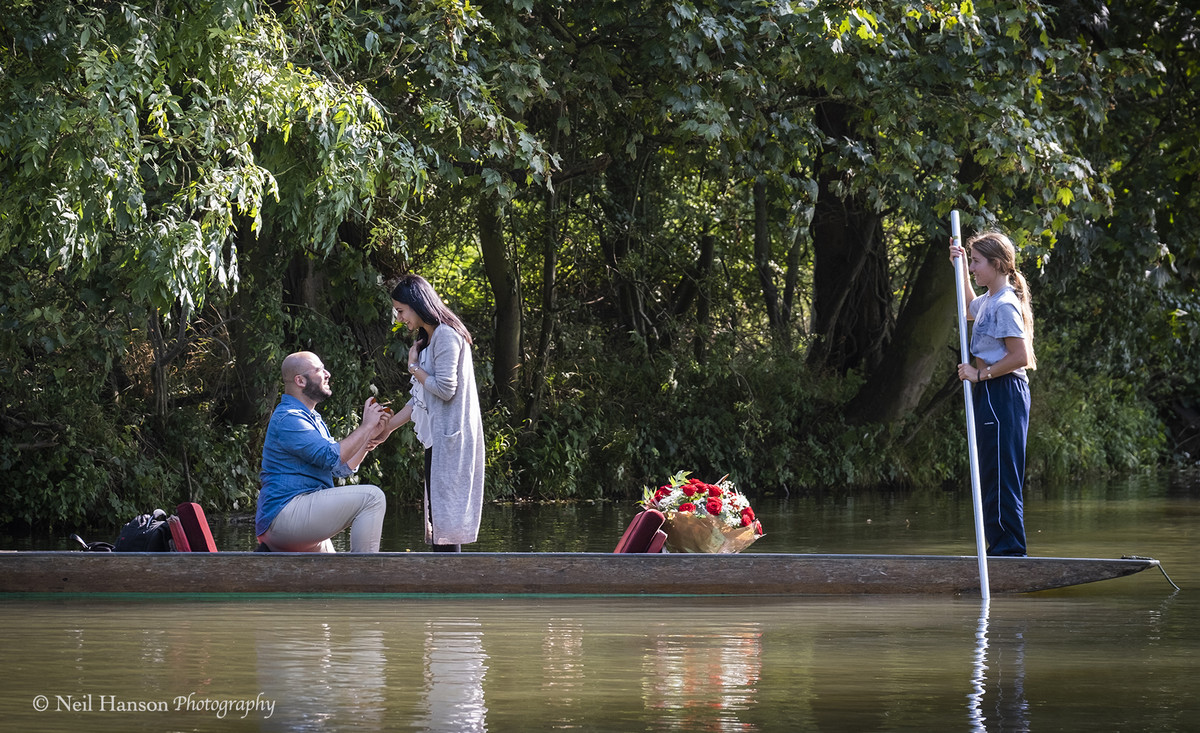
point(475, 573)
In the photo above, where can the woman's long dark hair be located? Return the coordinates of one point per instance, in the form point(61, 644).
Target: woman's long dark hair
point(416, 292)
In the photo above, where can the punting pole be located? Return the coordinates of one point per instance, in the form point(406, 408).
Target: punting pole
point(972, 450)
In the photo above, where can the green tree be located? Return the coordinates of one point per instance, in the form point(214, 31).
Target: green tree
point(687, 234)
point(170, 172)
point(1122, 289)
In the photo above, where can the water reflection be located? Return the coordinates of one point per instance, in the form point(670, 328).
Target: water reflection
point(563, 679)
point(613, 664)
point(455, 665)
point(979, 670)
point(997, 702)
point(704, 677)
point(701, 675)
point(325, 670)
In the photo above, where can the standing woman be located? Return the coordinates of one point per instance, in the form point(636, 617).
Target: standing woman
point(1002, 349)
point(444, 409)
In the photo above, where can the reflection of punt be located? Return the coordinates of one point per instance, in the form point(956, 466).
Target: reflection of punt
point(543, 573)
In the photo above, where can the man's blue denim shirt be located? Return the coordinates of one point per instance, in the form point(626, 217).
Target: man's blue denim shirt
point(298, 456)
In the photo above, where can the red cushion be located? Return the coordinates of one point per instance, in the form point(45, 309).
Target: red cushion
point(178, 536)
point(641, 532)
point(195, 527)
point(657, 542)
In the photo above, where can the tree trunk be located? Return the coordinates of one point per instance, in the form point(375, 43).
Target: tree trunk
point(260, 291)
point(851, 294)
point(918, 349)
point(791, 283)
point(373, 334)
point(550, 245)
point(158, 369)
point(506, 290)
point(918, 346)
point(851, 300)
point(762, 254)
point(693, 287)
point(620, 238)
point(704, 303)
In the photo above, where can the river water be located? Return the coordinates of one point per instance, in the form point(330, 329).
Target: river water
point(1122, 655)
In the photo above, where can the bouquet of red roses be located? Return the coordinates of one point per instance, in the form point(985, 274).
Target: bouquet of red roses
point(704, 517)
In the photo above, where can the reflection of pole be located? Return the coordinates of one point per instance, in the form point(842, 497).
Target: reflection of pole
point(979, 671)
point(972, 450)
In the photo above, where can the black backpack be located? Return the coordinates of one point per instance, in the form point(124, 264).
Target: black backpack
point(146, 533)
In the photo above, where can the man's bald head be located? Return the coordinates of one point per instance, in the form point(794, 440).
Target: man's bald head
point(305, 378)
point(301, 362)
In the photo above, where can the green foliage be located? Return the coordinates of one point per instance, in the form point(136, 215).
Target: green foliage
point(1123, 291)
point(612, 426)
point(1080, 426)
point(189, 192)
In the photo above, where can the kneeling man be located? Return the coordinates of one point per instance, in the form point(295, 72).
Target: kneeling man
point(299, 508)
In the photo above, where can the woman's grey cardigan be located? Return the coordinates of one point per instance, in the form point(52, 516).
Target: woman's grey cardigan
point(455, 498)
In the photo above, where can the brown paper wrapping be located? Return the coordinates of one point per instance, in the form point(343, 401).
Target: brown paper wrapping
point(693, 533)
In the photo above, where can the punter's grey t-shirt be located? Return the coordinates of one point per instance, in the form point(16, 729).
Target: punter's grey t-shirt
point(997, 317)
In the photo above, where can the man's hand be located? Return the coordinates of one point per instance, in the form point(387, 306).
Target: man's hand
point(389, 426)
point(382, 433)
point(375, 415)
point(353, 448)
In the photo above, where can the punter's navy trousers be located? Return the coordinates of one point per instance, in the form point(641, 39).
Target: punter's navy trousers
point(1001, 429)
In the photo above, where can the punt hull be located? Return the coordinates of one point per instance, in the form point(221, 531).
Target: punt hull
point(475, 573)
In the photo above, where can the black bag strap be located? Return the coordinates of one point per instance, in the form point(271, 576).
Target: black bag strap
point(92, 546)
